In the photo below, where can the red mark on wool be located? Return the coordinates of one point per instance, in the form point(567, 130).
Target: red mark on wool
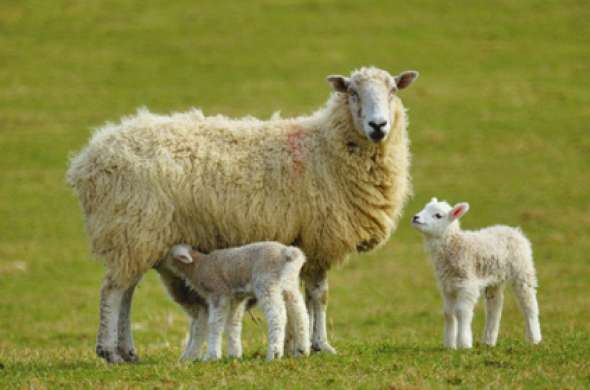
point(295, 143)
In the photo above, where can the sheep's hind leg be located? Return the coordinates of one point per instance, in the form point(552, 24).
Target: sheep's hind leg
point(111, 298)
point(494, 300)
point(316, 287)
point(125, 346)
point(527, 299)
point(272, 304)
point(297, 323)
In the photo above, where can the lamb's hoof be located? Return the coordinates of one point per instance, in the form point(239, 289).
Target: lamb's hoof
point(273, 355)
point(323, 347)
point(128, 355)
point(109, 355)
point(300, 352)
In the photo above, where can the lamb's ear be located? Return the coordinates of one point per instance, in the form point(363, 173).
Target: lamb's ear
point(404, 79)
point(182, 254)
point(458, 211)
point(339, 83)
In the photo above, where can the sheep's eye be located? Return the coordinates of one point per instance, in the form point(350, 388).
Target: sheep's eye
point(354, 94)
point(437, 216)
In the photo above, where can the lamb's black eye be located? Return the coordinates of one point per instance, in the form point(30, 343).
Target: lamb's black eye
point(437, 216)
point(354, 94)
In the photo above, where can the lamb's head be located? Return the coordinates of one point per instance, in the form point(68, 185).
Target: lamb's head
point(436, 217)
point(372, 100)
point(182, 253)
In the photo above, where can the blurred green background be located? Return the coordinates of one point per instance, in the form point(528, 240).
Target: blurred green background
point(499, 118)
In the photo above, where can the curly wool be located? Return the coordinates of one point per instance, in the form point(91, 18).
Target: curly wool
point(153, 181)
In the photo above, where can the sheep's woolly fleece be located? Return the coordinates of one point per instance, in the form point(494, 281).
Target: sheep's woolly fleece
point(153, 181)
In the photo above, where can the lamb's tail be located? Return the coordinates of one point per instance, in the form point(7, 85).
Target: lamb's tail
point(292, 253)
point(294, 260)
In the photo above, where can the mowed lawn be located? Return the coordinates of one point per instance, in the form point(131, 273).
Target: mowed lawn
point(499, 117)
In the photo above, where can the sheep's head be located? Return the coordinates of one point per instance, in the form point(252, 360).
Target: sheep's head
point(436, 217)
point(182, 253)
point(372, 99)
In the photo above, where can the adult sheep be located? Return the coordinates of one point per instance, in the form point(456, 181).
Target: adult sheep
point(331, 183)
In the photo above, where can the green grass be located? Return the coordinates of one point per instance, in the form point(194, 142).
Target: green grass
point(499, 117)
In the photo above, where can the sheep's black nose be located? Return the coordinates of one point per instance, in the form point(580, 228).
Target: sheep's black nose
point(415, 218)
point(377, 126)
point(377, 135)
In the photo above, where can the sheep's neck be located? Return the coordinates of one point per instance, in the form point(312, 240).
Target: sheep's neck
point(192, 269)
point(440, 244)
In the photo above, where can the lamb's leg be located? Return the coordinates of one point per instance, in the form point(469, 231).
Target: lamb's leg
point(494, 299)
point(194, 305)
point(316, 287)
point(526, 295)
point(218, 310)
point(197, 335)
point(233, 328)
point(310, 310)
point(450, 339)
point(125, 345)
point(111, 298)
point(297, 322)
point(464, 306)
point(272, 304)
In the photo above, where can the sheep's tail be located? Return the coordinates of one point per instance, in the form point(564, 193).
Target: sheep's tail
point(294, 259)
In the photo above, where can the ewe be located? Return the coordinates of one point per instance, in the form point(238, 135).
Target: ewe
point(332, 183)
point(227, 278)
point(467, 262)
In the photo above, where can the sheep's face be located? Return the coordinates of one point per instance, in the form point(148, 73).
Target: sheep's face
point(436, 217)
point(372, 100)
point(182, 253)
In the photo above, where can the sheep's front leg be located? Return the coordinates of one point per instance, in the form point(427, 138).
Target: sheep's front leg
point(450, 338)
point(233, 328)
point(316, 289)
point(218, 310)
point(464, 305)
point(197, 335)
point(125, 345)
point(494, 299)
point(111, 298)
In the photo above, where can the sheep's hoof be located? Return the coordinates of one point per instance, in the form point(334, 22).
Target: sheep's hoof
point(273, 355)
point(300, 352)
point(110, 356)
point(128, 355)
point(323, 347)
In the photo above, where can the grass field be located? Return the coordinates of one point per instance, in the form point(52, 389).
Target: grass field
point(499, 117)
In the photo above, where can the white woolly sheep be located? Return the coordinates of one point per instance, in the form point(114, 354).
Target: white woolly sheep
point(331, 183)
point(467, 262)
point(227, 278)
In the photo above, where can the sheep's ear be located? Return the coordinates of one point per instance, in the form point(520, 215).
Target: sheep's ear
point(182, 254)
point(458, 211)
point(404, 79)
point(339, 83)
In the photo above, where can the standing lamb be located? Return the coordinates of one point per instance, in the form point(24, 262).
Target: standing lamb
point(227, 278)
point(332, 183)
point(467, 262)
